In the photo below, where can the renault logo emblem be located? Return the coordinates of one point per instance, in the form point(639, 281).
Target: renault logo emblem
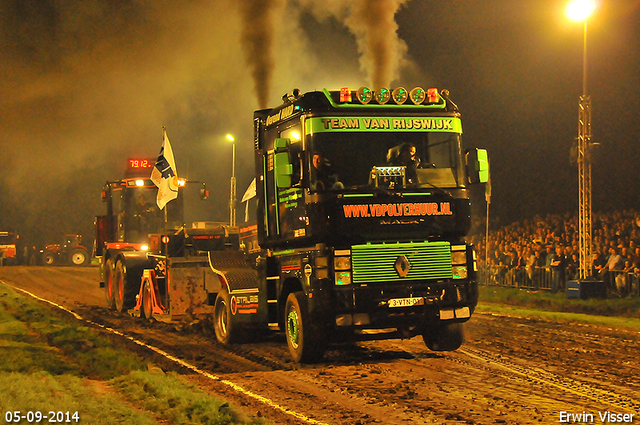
point(402, 266)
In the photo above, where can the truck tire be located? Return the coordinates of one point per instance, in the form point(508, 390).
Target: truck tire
point(226, 328)
point(109, 284)
point(48, 258)
point(79, 257)
point(305, 339)
point(126, 287)
point(444, 337)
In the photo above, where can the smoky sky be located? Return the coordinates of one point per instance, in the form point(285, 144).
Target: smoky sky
point(86, 85)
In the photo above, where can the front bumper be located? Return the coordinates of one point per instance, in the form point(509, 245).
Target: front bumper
point(407, 307)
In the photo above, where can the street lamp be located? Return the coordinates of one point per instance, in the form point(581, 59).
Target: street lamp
point(232, 197)
point(580, 10)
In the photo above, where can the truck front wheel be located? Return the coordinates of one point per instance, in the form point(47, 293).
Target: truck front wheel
point(305, 339)
point(227, 331)
point(444, 337)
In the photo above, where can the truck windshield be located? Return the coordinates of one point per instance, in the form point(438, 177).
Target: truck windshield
point(346, 160)
point(139, 215)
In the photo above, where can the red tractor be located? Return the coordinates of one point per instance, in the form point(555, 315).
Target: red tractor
point(8, 249)
point(71, 252)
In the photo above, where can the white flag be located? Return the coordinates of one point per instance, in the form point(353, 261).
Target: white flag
point(250, 192)
point(164, 174)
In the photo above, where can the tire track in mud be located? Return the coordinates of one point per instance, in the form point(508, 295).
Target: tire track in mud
point(538, 376)
point(496, 377)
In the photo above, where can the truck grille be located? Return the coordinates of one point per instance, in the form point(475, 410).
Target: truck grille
point(380, 262)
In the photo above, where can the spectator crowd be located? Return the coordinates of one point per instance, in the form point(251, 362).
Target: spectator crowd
point(544, 252)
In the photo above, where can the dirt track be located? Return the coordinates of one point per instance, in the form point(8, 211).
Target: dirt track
point(511, 370)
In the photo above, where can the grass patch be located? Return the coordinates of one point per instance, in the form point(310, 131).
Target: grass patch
point(179, 401)
point(52, 362)
point(611, 311)
point(623, 322)
point(43, 392)
point(43, 339)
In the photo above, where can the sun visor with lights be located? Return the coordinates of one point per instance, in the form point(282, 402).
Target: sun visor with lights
point(385, 96)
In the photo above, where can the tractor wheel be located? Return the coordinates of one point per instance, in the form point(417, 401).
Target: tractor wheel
point(224, 323)
point(305, 339)
point(79, 257)
point(48, 258)
point(126, 286)
point(146, 309)
point(447, 337)
point(109, 284)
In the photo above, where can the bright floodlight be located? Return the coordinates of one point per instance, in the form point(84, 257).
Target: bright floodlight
point(580, 10)
point(230, 138)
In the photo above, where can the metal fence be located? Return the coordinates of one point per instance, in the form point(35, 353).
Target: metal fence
point(618, 282)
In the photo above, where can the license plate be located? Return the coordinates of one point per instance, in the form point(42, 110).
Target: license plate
point(406, 302)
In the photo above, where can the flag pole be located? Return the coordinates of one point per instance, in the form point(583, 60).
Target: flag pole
point(487, 196)
point(486, 240)
point(164, 226)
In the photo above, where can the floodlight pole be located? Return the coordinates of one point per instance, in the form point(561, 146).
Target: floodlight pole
point(584, 172)
point(232, 200)
point(232, 193)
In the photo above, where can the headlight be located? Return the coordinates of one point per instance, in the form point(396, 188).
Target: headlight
point(342, 263)
point(343, 278)
point(459, 272)
point(459, 257)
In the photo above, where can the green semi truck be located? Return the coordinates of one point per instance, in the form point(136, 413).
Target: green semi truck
point(357, 229)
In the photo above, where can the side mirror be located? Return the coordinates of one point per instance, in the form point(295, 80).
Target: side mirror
point(477, 166)
point(282, 167)
point(204, 193)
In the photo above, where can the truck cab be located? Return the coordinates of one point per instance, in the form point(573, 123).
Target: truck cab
point(132, 228)
point(363, 207)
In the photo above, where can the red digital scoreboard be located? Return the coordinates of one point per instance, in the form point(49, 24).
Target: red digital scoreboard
point(140, 167)
point(141, 163)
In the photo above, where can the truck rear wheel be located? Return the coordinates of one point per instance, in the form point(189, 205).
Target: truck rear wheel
point(109, 287)
point(79, 257)
point(227, 330)
point(146, 307)
point(48, 258)
point(305, 339)
point(109, 284)
point(444, 337)
point(125, 288)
